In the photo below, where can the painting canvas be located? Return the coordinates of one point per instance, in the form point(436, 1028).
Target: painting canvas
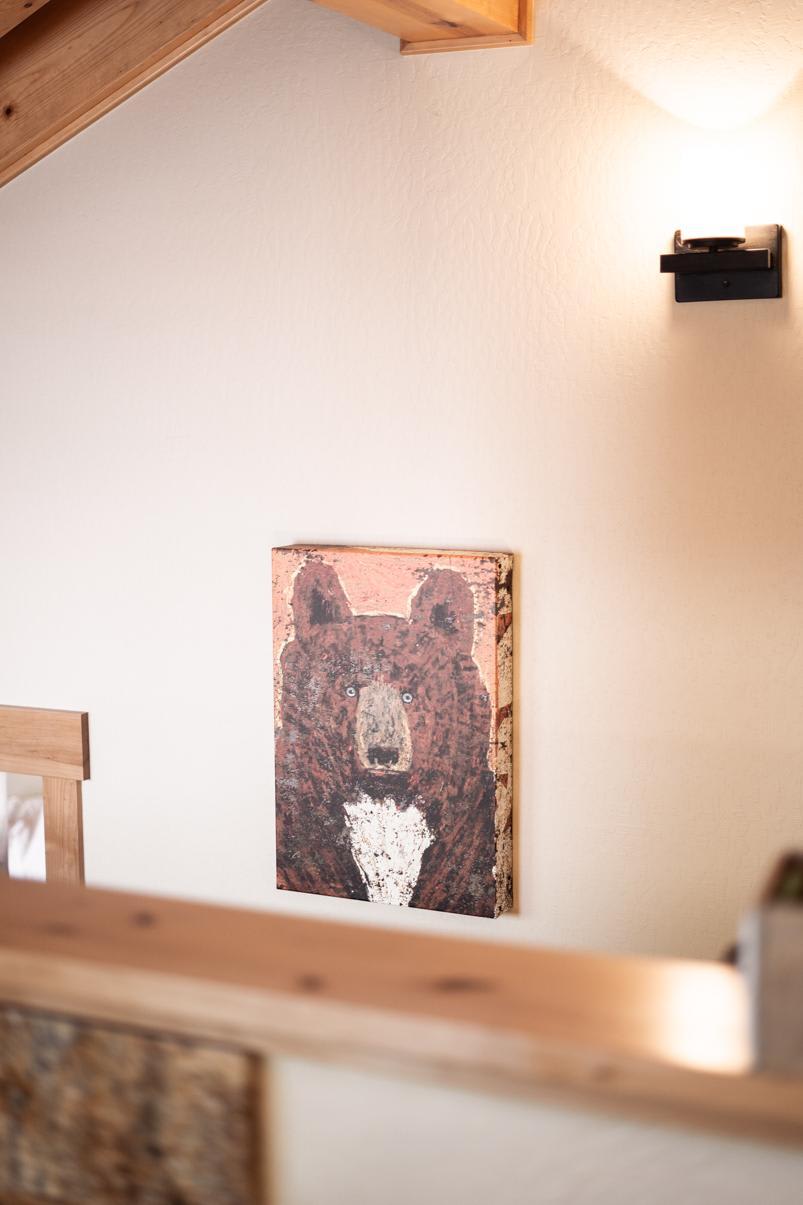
point(393, 717)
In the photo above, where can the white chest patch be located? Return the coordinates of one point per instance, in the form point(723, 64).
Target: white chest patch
point(387, 843)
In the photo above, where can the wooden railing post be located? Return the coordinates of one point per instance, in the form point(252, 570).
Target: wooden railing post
point(55, 746)
point(64, 831)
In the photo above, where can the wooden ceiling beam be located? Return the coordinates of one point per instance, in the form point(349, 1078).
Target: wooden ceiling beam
point(74, 60)
point(425, 26)
point(66, 64)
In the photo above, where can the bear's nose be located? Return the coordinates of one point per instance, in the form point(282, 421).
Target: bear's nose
point(381, 755)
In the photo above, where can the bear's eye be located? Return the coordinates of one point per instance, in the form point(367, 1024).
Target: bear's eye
point(407, 697)
point(351, 691)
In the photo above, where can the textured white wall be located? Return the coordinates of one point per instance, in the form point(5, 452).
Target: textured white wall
point(353, 1139)
point(302, 288)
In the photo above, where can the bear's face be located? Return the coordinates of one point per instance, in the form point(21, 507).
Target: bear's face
point(387, 701)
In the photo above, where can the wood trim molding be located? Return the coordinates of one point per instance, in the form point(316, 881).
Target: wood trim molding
point(520, 35)
point(419, 21)
point(650, 1037)
point(428, 26)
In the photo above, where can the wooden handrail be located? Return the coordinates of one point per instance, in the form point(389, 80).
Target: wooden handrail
point(55, 746)
point(655, 1036)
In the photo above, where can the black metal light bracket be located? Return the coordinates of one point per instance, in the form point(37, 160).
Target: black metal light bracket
point(727, 270)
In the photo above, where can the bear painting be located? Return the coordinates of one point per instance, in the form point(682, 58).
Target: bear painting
point(393, 715)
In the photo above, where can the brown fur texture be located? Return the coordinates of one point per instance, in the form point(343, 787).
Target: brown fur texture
point(428, 658)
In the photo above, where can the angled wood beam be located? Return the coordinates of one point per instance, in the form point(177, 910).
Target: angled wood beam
point(426, 26)
point(64, 64)
point(74, 60)
point(12, 12)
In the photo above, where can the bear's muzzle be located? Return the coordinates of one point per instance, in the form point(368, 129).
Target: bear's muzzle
point(383, 739)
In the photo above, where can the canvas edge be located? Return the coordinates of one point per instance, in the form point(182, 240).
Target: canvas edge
point(275, 553)
point(503, 735)
point(482, 554)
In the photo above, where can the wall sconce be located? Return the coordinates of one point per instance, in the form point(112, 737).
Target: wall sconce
point(726, 267)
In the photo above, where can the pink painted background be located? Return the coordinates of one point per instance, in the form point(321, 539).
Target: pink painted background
point(383, 581)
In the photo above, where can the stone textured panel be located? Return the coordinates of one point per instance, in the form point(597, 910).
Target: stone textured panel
point(95, 1114)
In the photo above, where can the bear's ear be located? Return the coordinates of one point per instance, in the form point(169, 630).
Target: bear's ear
point(444, 605)
point(318, 599)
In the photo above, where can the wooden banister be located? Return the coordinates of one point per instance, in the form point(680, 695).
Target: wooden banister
point(659, 1037)
point(55, 746)
point(50, 743)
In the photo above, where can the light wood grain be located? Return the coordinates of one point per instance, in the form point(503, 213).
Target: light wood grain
point(485, 42)
point(76, 59)
point(267, 1167)
point(428, 20)
point(48, 743)
point(12, 12)
point(55, 745)
point(520, 35)
point(71, 62)
point(64, 831)
point(653, 1037)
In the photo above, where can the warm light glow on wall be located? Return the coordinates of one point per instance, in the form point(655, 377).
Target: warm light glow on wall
point(710, 132)
point(728, 181)
point(718, 99)
point(714, 184)
point(709, 64)
point(704, 1018)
